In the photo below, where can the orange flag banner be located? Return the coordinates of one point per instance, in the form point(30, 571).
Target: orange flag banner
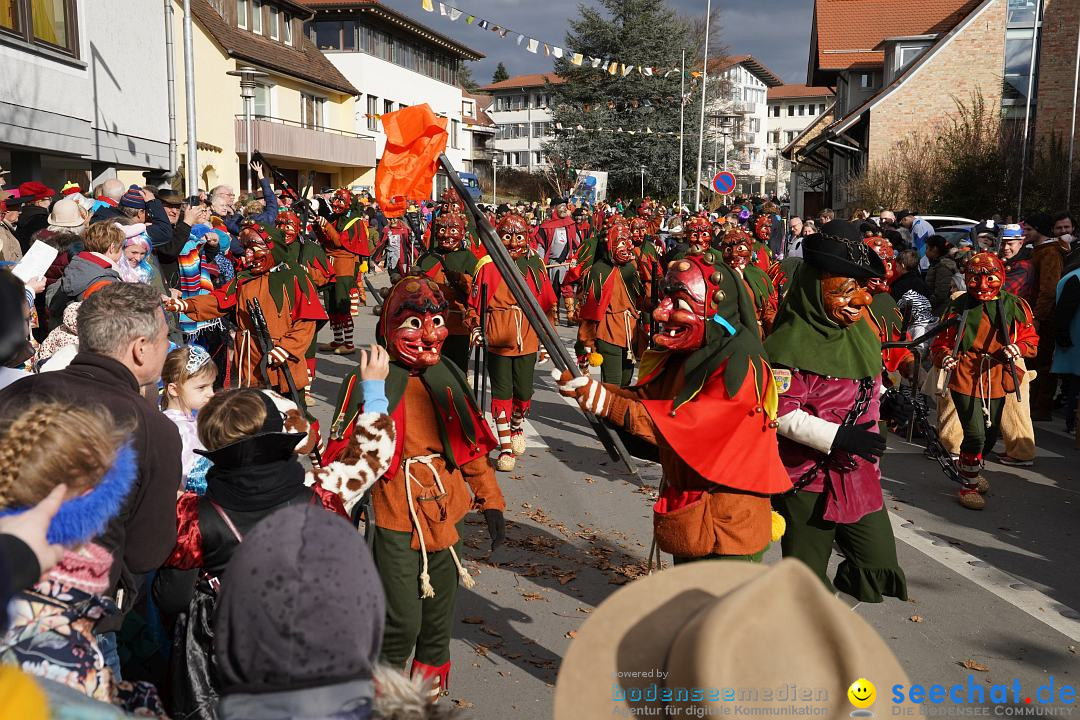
point(415, 137)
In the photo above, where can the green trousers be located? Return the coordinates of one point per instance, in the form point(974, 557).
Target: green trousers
point(511, 377)
point(412, 622)
point(456, 350)
point(869, 570)
point(978, 439)
point(337, 293)
point(617, 369)
point(755, 558)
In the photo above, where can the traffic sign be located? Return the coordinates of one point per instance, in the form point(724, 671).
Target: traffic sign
point(723, 182)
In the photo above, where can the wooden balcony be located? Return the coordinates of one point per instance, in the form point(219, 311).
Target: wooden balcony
point(285, 139)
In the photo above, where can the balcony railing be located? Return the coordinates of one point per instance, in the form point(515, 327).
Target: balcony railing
point(277, 137)
point(482, 154)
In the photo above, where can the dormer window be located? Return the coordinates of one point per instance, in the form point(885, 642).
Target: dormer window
point(256, 17)
point(275, 18)
point(286, 27)
point(242, 14)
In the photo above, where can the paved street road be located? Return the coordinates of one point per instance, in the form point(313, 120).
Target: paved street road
point(999, 588)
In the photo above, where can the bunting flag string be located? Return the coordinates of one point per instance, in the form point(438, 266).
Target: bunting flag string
point(611, 66)
point(560, 128)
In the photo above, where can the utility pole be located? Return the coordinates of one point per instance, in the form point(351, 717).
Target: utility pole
point(701, 122)
point(191, 164)
point(682, 114)
point(642, 181)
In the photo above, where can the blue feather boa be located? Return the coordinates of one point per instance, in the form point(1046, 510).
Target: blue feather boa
point(84, 518)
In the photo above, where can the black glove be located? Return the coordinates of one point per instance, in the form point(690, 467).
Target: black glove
point(859, 440)
point(496, 527)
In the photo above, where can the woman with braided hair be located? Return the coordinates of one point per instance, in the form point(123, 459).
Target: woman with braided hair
point(52, 624)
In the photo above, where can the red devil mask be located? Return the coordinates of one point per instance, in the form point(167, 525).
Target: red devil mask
point(645, 209)
point(413, 323)
point(289, 224)
point(257, 258)
point(639, 228)
point(884, 250)
point(984, 275)
point(620, 244)
point(698, 235)
point(736, 249)
point(340, 201)
point(763, 228)
point(449, 231)
point(514, 232)
point(689, 296)
point(451, 202)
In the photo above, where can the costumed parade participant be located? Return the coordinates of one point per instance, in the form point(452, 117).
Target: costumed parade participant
point(253, 439)
point(559, 240)
point(312, 257)
point(289, 302)
point(827, 363)
point(735, 248)
point(396, 239)
point(699, 237)
point(419, 506)
point(451, 266)
point(993, 329)
point(610, 314)
point(763, 228)
point(708, 372)
point(883, 311)
point(511, 342)
point(345, 238)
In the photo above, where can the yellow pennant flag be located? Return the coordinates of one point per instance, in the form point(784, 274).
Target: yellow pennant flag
point(577, 59)
point(429, 6)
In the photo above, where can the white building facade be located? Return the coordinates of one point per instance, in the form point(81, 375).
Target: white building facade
point(792, 110)
point(738, 121)
point(521, 111)
point(84, 90)
point(395, 62)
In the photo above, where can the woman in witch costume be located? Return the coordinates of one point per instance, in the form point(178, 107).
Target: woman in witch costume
point(827, 361)
point(609, 316)
point(253, 439)
point(439, 472)
point(708, 372)
point(289, 301)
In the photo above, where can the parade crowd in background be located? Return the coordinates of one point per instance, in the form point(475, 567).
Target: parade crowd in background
point(202, 557)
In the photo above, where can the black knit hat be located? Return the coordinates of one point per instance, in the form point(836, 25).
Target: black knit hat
point(840, 250)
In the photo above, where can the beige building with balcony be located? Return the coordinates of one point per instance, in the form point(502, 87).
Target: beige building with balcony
point(304, 108)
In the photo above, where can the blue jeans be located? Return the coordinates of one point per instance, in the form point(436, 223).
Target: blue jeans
point(107, 644)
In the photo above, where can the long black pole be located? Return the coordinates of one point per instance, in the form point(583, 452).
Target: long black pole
point(549, 338)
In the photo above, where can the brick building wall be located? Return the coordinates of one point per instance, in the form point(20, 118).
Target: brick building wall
point(1057, 67)
point(972, 61)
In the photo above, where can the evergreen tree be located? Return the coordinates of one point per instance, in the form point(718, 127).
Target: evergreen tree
point(500, 73)
point(465, 78)
point(634, 32)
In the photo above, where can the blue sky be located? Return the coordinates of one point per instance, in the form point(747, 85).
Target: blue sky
point(777, 32)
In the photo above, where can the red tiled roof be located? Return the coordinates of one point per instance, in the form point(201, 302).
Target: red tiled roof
point(847, 31)
point(399, 19)
point(799, 91)
point(524, 81)
point(300, 60)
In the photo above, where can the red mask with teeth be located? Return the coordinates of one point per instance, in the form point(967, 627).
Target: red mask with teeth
point(257, 258)
point(639, 227)
point(698, 235)
point(763, 228)
point(620, 245)
point(340, 201)
point(984, 276)
point(449, 231)
point(683, 309)
point(452, 203)
point(413, 322)
point(735, 247)
point(645, 209)
point(884, 250)
point(289, 225)
point(514, 232)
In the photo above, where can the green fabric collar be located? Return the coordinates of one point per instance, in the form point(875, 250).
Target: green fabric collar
point(804, 337)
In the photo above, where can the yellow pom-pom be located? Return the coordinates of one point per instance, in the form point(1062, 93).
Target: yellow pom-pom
point(779, 525)
point(596, 359)
point(363, 267)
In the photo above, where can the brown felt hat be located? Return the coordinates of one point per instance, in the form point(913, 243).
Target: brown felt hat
point(742, 634)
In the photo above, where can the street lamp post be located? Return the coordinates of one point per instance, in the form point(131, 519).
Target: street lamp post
point(494, 179)
point(247, 77)
point(642, 181)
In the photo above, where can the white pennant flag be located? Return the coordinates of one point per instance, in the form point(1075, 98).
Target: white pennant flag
point(556, 51)
point(520, 38)
point(454, 14)
point(595, 61)
point(533, 45)
point(442, 9)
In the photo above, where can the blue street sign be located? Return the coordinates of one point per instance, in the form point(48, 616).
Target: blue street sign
point(724, 183)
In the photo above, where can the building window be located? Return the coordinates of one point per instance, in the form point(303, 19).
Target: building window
point(286, 26)
point(262, 101)
point(538, 158)
point(348, 36)
point(821, 109)
point(256, 16)
point(791, 110)
point(327, 35)
point(906, 54)
point(810, 109)
point(802, 110)
point(311, 111)
point(274, 21)
point(454, 125)
point(866, 81)
point(49, 23)
point(774, 137)
point(387, 106)
point(242, 14)
point(755, 124)
point(372, 112)
point(774, 111)
point(791, 135)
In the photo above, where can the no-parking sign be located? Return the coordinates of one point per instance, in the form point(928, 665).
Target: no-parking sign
point(723, 182)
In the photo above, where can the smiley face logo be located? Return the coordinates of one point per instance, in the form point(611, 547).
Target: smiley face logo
point(862, 694)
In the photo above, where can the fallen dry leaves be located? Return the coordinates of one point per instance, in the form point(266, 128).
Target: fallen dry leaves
point(915, 618)
point(972, 665)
